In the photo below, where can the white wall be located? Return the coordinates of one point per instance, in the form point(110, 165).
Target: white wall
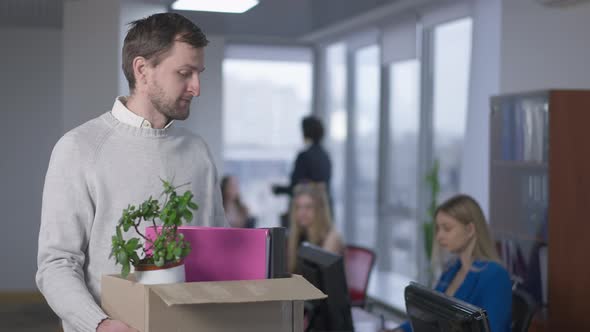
point(90, 59)
point(31, 103)
point(519, 46)
point(131, 11)
point(206, 118)
point(484, 82)
point(544, 47)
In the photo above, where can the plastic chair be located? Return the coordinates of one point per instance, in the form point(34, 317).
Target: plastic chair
point(523, 310)
point(358, 263)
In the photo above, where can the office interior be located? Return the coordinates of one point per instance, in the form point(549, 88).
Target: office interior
point(401, 85)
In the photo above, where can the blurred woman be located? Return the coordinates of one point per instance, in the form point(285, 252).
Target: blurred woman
point(311, 221)
point(475, 275)
point(236, 212)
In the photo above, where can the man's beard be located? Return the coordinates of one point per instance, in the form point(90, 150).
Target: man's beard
point(169, 107)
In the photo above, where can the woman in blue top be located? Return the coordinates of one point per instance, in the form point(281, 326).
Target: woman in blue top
point(476, 276)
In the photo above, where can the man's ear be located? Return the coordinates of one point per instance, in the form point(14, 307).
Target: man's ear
point(140, 68)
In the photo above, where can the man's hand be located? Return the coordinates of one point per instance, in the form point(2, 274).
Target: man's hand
point(111, 325)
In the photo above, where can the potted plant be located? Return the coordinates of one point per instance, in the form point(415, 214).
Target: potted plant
point(428, 226)
point(434, 186)
point(157, 258)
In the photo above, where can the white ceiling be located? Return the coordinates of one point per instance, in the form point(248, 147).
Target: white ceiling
point(286, 19)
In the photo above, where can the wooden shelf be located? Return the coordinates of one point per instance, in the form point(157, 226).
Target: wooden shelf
point(520, 164)
point(557, 190)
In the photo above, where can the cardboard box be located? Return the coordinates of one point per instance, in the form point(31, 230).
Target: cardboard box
point(267, 305)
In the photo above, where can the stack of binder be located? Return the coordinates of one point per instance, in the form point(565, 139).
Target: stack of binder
point(233, 253)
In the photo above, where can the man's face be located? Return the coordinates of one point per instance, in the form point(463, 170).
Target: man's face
point(173, 83)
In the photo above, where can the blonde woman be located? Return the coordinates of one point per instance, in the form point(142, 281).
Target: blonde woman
point(311, 221)
point(476, 275)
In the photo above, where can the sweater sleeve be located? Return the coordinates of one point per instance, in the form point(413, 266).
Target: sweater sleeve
point(66, 219)
point(218, 213)
point(220, 219)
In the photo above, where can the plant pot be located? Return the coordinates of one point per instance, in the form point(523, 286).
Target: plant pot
point(168, 274)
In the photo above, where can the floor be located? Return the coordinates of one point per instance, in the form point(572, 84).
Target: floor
point(31, 317)
point(371, 322)
point(38, 317)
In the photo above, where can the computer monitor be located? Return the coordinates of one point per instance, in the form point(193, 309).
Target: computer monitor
point(430, 310)
point(325, 271)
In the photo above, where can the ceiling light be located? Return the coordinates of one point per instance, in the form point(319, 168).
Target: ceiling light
point(222, 6)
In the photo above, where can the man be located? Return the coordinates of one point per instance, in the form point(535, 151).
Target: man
point(117, 159)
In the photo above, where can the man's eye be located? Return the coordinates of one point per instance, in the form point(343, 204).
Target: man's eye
point(185, 73)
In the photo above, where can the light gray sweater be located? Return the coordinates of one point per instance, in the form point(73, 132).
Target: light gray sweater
point(95, 171)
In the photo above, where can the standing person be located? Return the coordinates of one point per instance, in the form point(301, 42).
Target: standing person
point(312, 164)
point(236, 212)
point(476, 275)
point(311, 222)
point(116, 159)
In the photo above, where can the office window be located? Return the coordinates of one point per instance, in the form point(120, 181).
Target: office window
point(337, 125)
point(366, 139)
point(267, 91)
point(404, 116)
point(452, 56)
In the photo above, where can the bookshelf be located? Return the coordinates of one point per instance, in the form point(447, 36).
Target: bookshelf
point(540, 198)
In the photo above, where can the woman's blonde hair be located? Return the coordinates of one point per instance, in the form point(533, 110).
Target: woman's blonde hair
point(467, 211)
point(319, 228)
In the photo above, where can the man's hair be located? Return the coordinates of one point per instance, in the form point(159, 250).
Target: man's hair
point(153, 36)
point(312, 128)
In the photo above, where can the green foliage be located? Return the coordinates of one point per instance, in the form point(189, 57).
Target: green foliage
point(428, 226)
point(169, 245)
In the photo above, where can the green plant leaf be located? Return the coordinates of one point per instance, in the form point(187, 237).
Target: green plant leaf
point(125, 270)
point(428, 238)
point(428, 228)
point(193, 205)
point(188, 216)
point(134, 258)
point(185, 251)
point(122, 257)
point(159, 262)
point(177, 251)
point(132, 244)
point(119, 234)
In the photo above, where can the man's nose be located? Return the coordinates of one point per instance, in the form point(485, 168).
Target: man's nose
point(194, 87)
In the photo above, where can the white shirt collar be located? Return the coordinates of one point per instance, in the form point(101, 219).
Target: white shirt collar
point(126, 116)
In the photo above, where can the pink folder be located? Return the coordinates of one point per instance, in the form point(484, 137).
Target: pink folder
point(224, 253)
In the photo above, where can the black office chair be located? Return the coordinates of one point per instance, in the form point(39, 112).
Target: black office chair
point(524, 307)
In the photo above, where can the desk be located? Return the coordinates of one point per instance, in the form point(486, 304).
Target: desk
point(387, 288)
point(365, 321)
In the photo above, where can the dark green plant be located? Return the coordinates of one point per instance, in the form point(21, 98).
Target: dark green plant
point(169, 245)
point(429, 226)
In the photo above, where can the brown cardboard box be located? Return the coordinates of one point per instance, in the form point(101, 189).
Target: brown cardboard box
point(269, 305)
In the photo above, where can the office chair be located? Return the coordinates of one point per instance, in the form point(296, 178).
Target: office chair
point(358, 263)
point(523, 310)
